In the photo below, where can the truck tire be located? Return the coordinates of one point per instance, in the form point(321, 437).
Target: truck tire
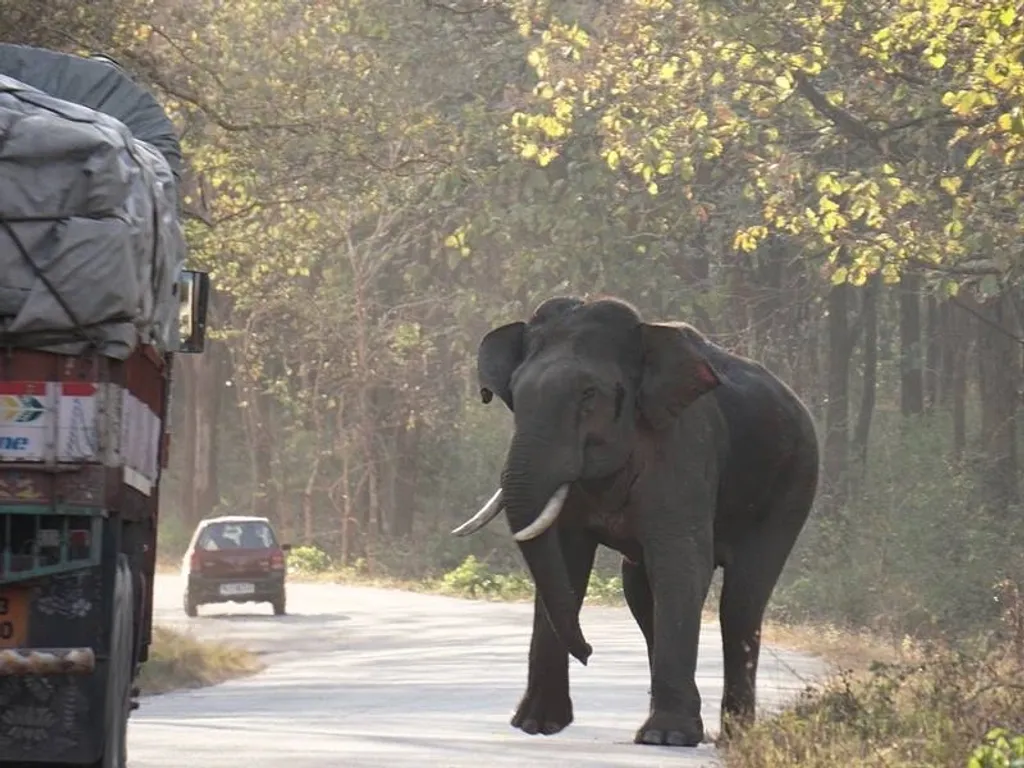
point(119, 670)
point(189, 606)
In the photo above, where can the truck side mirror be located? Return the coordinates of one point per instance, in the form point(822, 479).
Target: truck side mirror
point(194, 293)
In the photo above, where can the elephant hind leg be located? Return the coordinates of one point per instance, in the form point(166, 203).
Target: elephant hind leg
point(637, 589)
point(748, 582)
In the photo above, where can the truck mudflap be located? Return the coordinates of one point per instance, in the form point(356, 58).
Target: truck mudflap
point(47, 661)
point(54, 665)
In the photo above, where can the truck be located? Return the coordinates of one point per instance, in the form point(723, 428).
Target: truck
point(95, 305)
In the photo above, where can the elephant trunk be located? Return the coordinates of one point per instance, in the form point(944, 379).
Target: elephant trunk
point(532, 482)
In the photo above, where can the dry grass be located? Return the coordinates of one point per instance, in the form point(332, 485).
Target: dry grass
point(842, 648)
point(178, 661)
point(932, 713)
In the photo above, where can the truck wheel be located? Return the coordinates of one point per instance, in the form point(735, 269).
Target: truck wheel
point(279, 605)
point(190, 606)
point(119, 670)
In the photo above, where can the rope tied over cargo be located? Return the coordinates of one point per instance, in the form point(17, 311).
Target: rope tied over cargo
point(80, 331)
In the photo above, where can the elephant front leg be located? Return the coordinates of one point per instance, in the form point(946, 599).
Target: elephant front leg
point(637, 589)
point(679, 567)
point(546, 707)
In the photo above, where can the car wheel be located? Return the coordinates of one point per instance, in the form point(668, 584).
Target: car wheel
point(279, 605)
point(190, 606)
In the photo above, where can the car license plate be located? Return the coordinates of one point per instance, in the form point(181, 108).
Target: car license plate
point(237, 589)
point(13, 617)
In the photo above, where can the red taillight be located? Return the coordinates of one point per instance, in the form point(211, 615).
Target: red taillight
point(196, 562)
point(79, 538)
point(277, 560)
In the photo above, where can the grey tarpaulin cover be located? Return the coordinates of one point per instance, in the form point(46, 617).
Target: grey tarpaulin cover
point(91, 246)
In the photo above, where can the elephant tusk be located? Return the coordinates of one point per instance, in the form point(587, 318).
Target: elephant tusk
point(547, 517)
point(487, 512)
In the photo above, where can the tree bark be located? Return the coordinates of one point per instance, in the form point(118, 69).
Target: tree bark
point(932, 352)
point(870, 373)
point(911, 362)
point(201, 377)
point(837, 438)
point(947, 354)
point(999, 379)
point(960, 339)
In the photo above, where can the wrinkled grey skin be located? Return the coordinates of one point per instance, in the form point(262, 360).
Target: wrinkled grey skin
point(682, 457)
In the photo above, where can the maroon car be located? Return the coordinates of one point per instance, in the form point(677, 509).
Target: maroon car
point(234, 559)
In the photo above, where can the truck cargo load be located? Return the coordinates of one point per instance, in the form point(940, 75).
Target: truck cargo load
point(91, 247)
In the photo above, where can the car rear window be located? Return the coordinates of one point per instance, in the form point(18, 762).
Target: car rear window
point(246, 535)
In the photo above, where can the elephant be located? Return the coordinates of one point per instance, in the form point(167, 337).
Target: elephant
point(651, 440)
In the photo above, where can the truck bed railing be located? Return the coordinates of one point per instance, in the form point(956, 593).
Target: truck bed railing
point(47, 541)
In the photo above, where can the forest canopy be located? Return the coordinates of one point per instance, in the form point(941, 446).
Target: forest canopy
point(833, 188)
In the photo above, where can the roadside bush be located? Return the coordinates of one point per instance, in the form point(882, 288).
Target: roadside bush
point(912, 554)
point(475, 578)
point(939, 711)
point(1000, 750)
point(308, 559)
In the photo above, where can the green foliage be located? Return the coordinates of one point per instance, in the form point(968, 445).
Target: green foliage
point(915, 553)
point(308, 559)
point(866, 133)
point(1000, 750)
point(474, 578)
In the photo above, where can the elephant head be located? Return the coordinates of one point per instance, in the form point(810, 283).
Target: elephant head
point(583, 380)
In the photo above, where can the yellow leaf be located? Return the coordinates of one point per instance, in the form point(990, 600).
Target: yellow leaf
point(951, 184)
point(613, 159)
point(839, 276)
point(652, 188)
point(937, 59)
point(545, 156)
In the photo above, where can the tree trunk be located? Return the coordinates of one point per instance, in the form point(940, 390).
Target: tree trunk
point(999, 376)
point(837, 438)
point(960, 340)
point(932, 353)
point(201, 377)
point(766, 309)
point(948, 351)
point(870, 373)
point(911, 362)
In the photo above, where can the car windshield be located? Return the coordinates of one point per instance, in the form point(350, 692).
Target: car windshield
point(243, 535)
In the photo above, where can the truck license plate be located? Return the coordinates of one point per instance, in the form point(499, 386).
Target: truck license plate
point(237, 589)
point(13, 617)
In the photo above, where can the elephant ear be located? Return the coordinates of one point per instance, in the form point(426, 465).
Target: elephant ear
point(676, 372)
point(500, 353)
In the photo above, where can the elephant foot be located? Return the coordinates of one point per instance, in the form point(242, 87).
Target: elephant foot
point(542, 713)
point(671, 729)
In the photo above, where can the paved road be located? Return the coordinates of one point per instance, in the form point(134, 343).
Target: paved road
point(363, 677)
